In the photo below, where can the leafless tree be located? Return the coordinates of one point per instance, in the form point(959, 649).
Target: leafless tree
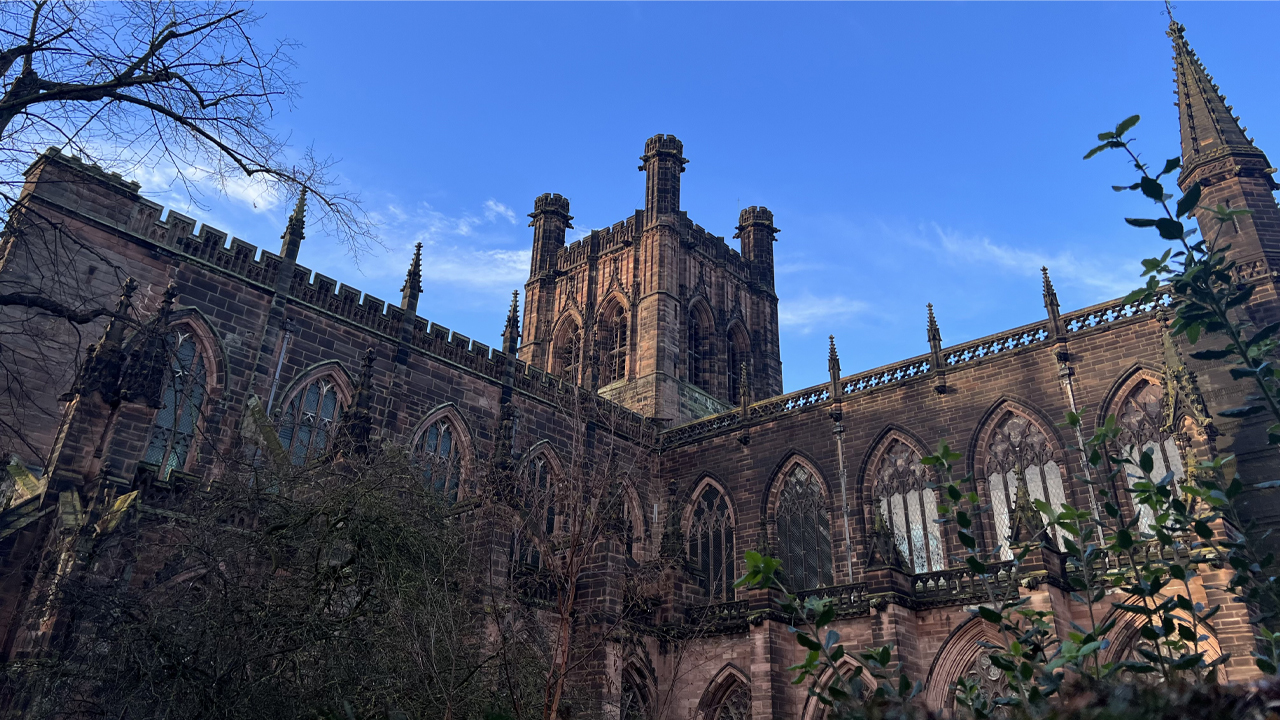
point(176, 89)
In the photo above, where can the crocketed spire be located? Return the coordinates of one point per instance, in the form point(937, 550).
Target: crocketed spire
point(412, 288)
point(295, 231)
point(1208, 126)
point(511, 332)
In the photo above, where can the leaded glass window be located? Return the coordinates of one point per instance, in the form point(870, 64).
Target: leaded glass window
point(697, 351)
point(308, 421)
point(437, 452)
point(909, 507)
point(1141, 419)
point(804, 531)
point(615, 345)
point(711, 544)
point(1020, 457)
point(568, 352)
point(736, 704)
point(174, 430)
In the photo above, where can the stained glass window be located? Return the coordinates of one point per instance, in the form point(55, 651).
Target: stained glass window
point(1020, 456)
point(804, 531)
point(909, 507)
point(711, 544)
point(437, 452)
point(174, 430)
point(307, 424)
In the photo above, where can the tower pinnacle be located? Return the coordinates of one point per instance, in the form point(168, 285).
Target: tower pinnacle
point(412, 288)
point(511, 333)
point(294, 232)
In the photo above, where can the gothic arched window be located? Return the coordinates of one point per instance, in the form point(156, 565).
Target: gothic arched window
point(698, 350)
point(1019, 456)
point(1141, 419)
point(804, 531)
point(306, 427)
point(538, 477)
point(633, 703)
point(909, 507)
point(568, 352)
point(437, 452)
point(174, 430)
point(711, 544)
point(615, 344)
point(739, 353)
point(735, 705)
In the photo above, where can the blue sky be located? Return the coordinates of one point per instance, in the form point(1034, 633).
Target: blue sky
point(911, 152)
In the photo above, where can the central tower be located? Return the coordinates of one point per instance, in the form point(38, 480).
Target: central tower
point(655, 312)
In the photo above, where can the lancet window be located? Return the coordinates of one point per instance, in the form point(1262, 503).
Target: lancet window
point(568, 352)
point(909, 507)
point(538, 479)
point(308, 421)
point(174, 430)
point(711, 544)
point(615, 344)
point(437, 452)
point(1142, 423)
point(738, 354)
point(804, 530)
point(1020, 459)
point(698, 350)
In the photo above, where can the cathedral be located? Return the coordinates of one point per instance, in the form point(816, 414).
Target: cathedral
point(662, 338)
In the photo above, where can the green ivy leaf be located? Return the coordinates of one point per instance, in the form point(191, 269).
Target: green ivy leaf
point(1170, 165)
point(1152, 189)
point(1141, 222)
point(990, 615)
point(1169, 229)
point(1126, 125)
point(1189, 201)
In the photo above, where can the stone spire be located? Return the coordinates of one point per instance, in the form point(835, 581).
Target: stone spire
point(412, 288)
point(355, 432)
point(1051, 303)
point(833, 360)
point(295, 231)
point(511, 333)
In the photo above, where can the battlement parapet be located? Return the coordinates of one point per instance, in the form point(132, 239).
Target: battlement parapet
point(756, 216)
point(551, 203)
point(664, 144)
point(1094, 318)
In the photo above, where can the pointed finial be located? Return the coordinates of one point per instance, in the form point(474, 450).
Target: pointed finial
point(412, 288)
point(413, 279)
point(1051, 303)
point(295, 231)
point(833, 359)
point(113, 335)
point(935, 335)
point(511, 333)
point(744, 387)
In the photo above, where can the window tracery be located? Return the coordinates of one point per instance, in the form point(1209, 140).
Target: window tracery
point(1021, 459)
point(633, 703)
point(174, 429)
point(568, 352)
point(804, 531)
point(306, 426)
point(1142, 422)
point(909, 507)
point(437, 452)
point(735, 705)
point(615, 344)
point(711, 544)
point(698, 351)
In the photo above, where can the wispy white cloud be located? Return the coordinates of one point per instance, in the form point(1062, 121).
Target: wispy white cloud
point(494, 209)
point(477, 251)
point(806, 312)
point(1096, 275)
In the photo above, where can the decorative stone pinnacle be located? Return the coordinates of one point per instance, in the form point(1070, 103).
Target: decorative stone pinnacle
point(295, 231)
point(833, 360)
point(511, 333)
point(413, 279)
point(1051, 303)
point(744, 390)
point(935, 335)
